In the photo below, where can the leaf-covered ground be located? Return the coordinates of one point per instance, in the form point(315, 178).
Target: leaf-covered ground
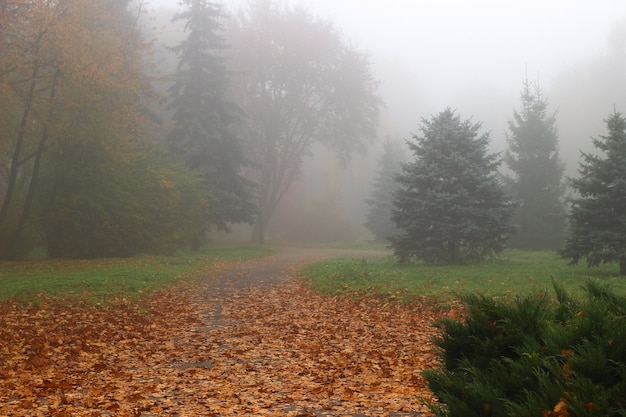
point(195, 351)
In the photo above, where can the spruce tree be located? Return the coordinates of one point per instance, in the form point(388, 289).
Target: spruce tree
point(451, 205)
point(204, 118)
point(597, 219)
point(537, 184)
point(378, 218)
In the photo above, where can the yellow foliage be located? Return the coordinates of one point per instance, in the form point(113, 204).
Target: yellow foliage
point(70, 70)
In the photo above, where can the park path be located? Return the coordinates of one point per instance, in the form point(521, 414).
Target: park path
point(247, 339)
point(278, 268)
point(282, 265)
point(252, 280)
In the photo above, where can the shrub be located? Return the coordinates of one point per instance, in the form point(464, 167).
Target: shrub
point(97, 203)
point(536, 356)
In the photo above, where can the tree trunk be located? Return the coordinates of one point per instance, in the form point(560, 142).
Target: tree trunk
point(258, 230)
point(34, 177)
point(258, 236)
point(622, 266)
point(195, 242)
point(15, 160)
point(273, 188)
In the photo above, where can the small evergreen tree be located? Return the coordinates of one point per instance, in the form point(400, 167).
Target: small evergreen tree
point(451, 206)
point(597, 220)
point(204, 119)
point(537, 185)
point(378, 218)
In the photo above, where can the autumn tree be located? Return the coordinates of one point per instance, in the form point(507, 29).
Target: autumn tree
point(451, 206)
point(204, 118)
point(33, 63)
point(597, 218)
point(537, 183)
point(300, 84)
point(12, 12)
point(75, 112)
point(378, 218)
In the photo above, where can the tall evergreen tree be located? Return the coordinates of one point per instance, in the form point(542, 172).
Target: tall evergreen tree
point(378, 218)
point(204, 119)
point(537, 184)
point(597, 219)
point(451, 206)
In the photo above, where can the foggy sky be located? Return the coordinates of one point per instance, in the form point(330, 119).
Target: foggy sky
point(472, 55)
point(474, 41)
point(429, 54)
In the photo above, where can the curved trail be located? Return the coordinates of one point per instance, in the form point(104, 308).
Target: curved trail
point(283, 265)
point(272, 270)
point(247, 340)
point(261, 276)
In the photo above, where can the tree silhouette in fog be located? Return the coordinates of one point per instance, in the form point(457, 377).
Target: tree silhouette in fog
point(204, 119)
point(380, 202)
point(537, 184)
point(300, 84)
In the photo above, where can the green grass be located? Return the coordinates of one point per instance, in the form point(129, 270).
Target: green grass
point(361, 245)
point(107, 279)
point(514, 273)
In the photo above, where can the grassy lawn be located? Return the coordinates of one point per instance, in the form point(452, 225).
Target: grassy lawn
point(105, 279)
point(361, 245)
point(514, 273)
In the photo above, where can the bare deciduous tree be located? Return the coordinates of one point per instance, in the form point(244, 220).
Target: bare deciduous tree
point(300, 83)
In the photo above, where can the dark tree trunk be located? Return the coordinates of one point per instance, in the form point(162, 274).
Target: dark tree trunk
point(195, 243)
point(15, 160)
point(34, 177)
point(258, 230)
point(622, 266)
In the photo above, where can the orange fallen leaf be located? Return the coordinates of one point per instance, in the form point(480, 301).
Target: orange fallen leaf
point(281, 350)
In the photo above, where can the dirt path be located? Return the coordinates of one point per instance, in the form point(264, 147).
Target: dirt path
point(247, 341)
point(282, 266)
point(278, 268)
point(269, 278)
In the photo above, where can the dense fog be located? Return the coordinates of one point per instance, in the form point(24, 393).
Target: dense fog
point(473, 57)
point(278, 110)
point(470, 56)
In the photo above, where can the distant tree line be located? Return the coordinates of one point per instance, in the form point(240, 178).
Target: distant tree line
point(450, 204)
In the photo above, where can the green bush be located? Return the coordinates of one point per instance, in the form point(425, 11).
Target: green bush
point(100, 202)
point(536, 356)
